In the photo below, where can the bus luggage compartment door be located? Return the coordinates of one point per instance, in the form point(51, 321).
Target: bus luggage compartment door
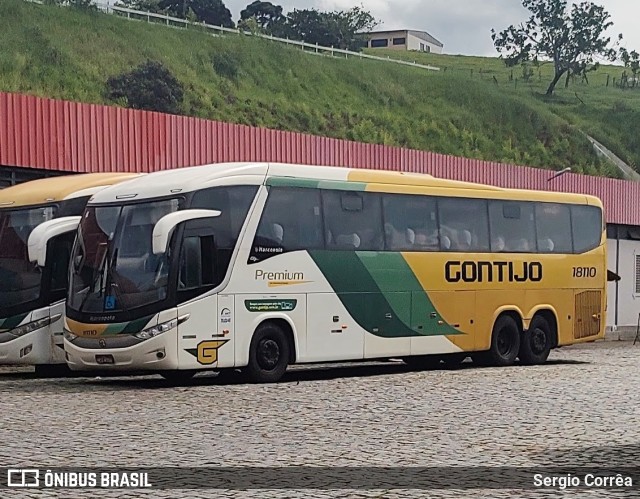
point(445, 323)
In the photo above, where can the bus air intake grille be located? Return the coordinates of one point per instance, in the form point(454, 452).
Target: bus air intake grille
point(588, 314)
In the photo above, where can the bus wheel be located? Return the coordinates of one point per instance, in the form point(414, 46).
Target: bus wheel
point(505, 343)
point(422, 361)
point(268, 354)
point(179, 375)
point(536, 342)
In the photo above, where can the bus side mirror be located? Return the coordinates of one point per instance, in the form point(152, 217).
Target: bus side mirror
point(43, 233)
point(164, 227)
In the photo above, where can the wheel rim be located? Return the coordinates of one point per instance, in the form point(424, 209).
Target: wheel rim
point(268, 354)
point(538, 341)
point(505, 342)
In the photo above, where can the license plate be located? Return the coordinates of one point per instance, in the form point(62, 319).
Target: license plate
point(105, 359)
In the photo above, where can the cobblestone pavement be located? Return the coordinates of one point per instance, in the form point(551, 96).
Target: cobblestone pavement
point(579, 409)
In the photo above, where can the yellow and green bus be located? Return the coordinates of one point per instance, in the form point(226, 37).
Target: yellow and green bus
point(256, 266)
point(38, 221)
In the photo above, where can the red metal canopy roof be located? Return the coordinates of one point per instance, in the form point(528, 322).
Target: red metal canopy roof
point(76, 137)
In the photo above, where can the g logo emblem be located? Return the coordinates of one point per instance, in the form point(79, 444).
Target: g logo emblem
point(102, 343)
point(208, 351)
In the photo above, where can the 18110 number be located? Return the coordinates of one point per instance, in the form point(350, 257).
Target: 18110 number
point(583, 272)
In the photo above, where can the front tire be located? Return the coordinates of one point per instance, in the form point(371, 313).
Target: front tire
point(268, 355)
point(536, 342)
point(505, 343)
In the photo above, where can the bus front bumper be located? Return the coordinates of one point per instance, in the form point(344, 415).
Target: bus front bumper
point(30, 349)
point(155, 354)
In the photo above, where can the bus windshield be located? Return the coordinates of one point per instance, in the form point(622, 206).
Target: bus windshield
point(113, 265)
point(19, 278)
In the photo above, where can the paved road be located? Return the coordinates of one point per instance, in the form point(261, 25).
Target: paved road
point(580, 409)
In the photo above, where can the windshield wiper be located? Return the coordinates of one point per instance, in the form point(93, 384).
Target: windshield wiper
point(98, 273)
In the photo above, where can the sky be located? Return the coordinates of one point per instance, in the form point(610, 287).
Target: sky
point(464, 26)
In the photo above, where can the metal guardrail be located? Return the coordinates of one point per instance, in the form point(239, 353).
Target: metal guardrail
point(153, 17)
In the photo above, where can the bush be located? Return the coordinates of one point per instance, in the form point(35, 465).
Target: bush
point(150, 86)
point(226, 64)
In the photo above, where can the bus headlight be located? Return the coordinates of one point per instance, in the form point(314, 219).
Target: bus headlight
point(154, 331)
point(68, 335)
point(30, 327)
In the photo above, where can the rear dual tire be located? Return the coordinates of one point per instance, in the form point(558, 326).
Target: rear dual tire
point(505, 344)
point(536, 342)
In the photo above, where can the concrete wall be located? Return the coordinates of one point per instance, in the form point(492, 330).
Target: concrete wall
point(628, 302)
point(415, 43)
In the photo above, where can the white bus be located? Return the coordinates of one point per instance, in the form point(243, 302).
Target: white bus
point(258, 266)
point(38, 221)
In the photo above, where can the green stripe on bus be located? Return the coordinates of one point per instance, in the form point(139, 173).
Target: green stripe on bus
point(383, 285)
point(396, 281)
point(308, 183)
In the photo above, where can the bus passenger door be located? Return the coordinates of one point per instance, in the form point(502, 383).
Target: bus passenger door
point(201, 341)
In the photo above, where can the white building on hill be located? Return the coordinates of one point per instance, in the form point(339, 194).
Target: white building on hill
point(405, 40)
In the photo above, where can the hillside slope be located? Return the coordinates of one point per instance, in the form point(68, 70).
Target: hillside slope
point(63, 53)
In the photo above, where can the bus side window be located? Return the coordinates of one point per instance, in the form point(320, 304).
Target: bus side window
point(553, 228)
point(463, 224)
point(410, 223)
point(196, 262)
point(587, 227)
point(353, 220)
point(234, 203)
point(514, 222)
point(291, 221)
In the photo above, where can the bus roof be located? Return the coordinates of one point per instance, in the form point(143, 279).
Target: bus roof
point(188, 179)
point(52, 189)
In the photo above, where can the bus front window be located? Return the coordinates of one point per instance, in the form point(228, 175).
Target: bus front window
point(114, 267)
point(19, 278)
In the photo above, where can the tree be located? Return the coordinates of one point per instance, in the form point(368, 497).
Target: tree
point(207, 11)
point(146, 5)
point(340, 29)
point(250, 25)
point(150, 86)
point(78, 4)
point(570, 38)
point(352, 26)
point(631, 60)
point(309, 25)
point(266, 14)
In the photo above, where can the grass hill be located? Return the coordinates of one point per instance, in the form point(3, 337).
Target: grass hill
point(65, 53)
